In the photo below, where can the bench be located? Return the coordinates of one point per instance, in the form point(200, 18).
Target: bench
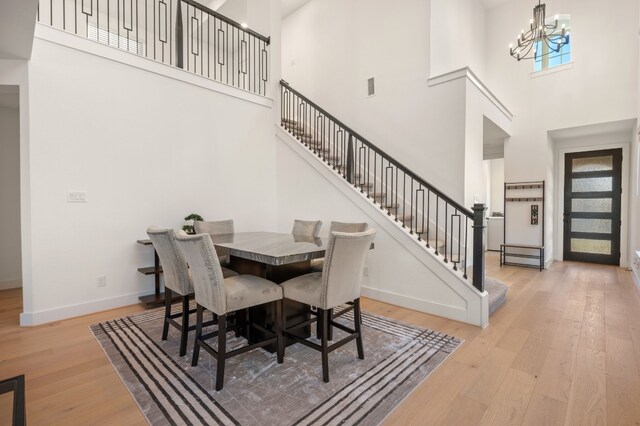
point(504, 254)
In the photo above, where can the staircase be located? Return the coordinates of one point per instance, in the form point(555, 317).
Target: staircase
point(452, 232)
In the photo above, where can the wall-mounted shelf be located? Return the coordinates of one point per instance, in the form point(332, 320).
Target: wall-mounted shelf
point(510, 252)
point(521, 199)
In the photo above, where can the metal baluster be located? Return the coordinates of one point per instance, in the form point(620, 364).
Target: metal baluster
point(446, 206)
point(419, 227)
point(437, 220)
point(428, 215)
point(466, 245)
point(411, 209)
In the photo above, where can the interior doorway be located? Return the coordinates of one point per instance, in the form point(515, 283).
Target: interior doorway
point(592, 206)
point(10, 224)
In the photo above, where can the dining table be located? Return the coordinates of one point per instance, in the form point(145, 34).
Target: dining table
point(277, 257)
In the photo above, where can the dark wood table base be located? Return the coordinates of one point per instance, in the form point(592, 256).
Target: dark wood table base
point(265, 315)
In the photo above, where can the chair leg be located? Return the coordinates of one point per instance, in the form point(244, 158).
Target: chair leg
point(196, 342)
point(324, 343)
point(167, 313)
point(279, 328)
point(318, 324)
point(357, 321)
point(185, 325)
point(329, 327)
point(222, 349)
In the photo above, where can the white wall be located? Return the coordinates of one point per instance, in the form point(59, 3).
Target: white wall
point(600, 86)
point(457, 36)
point(10, 250)
point(400, 271)
point(148, 149)
point(495, 187)
point(331, 47)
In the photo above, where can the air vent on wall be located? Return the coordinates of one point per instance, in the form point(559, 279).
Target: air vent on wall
point(371, 87)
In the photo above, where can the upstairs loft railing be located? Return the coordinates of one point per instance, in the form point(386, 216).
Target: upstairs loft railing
point(181, 33)
point(438, 221)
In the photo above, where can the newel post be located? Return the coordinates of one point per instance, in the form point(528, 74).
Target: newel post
point(350, 171)
point(478, 246)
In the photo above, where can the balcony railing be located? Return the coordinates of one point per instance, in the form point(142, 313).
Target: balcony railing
point(181, 33)
point(439, 222)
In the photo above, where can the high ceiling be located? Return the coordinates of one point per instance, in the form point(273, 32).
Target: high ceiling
point(290, 6)
point(491, 3)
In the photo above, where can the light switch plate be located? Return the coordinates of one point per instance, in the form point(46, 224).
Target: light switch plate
point(76, 196)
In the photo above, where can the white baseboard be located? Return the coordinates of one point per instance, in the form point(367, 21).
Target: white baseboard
point(70, 311)
point(9, 284)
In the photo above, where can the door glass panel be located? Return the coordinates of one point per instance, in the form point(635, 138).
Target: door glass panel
point(599, 226)
point(598, 184)
point(581, 245)
point(6, 408)
point(591, 205)
point(592, 164)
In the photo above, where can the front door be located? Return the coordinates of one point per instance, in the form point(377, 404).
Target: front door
point(592, 196)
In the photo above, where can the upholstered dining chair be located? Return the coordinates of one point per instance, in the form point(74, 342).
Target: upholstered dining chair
point(224, 296)
point(307, 228)
point(219, 227)
point(177, 279)
point(338, 283)
point(318, 264)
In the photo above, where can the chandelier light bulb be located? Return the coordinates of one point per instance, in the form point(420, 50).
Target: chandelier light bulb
point(557, 16)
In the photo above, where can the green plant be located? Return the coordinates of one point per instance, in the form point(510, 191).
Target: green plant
point(188, 228)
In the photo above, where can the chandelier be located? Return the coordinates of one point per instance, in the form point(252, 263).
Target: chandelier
point(530, 44)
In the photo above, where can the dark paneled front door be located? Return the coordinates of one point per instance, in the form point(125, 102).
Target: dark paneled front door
point(592, 196)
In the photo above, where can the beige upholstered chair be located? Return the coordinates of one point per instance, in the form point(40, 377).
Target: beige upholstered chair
point(338, 283)
point(307, 228)
point(220, 227)
point(318, 264)
point(225, 296)
point(177, 279)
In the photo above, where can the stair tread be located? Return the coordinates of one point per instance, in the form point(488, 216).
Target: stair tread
point(497, 293)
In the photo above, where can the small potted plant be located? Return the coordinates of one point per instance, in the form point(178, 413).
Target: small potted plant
point(188, 227)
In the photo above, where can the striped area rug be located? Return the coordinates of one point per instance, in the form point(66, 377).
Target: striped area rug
point(259, 391)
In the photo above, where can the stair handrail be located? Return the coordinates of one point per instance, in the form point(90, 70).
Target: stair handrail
point(227, 20)
point(398, 164)
point(476, 214)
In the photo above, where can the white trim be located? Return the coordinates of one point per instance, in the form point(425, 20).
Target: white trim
point(70, 311)
point(466, 72)
point(477, 304)
point(552, 70)
point(63, 38)
point(9, 284)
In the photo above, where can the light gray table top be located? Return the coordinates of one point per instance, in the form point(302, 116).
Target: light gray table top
point(271, 248)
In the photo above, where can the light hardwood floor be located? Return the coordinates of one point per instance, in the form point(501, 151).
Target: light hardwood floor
point(563, 349)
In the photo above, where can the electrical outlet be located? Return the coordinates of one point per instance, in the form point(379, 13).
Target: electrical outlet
point(102, 281)
point(76, 196)
point(366, 271)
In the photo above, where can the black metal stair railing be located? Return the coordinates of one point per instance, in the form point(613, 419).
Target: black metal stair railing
point(181, 33)
point(438, 221)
